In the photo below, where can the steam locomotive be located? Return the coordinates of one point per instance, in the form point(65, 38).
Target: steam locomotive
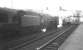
point(25, 22)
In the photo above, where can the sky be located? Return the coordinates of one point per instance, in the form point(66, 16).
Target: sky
point(73, 4)
point(41, 5)
point(5, 3)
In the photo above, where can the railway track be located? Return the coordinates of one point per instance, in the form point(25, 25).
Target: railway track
point(56, 42)
point(29, 41)
point(42, 46)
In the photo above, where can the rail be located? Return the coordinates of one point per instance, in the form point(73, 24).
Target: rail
point(38, 48)
point(56, 39)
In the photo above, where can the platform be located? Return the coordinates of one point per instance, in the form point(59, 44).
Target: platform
point(74, 41)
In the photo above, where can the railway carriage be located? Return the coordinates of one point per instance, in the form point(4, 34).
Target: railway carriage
point(71, 20)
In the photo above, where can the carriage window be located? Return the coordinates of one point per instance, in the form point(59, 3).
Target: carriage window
point(3, 18)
